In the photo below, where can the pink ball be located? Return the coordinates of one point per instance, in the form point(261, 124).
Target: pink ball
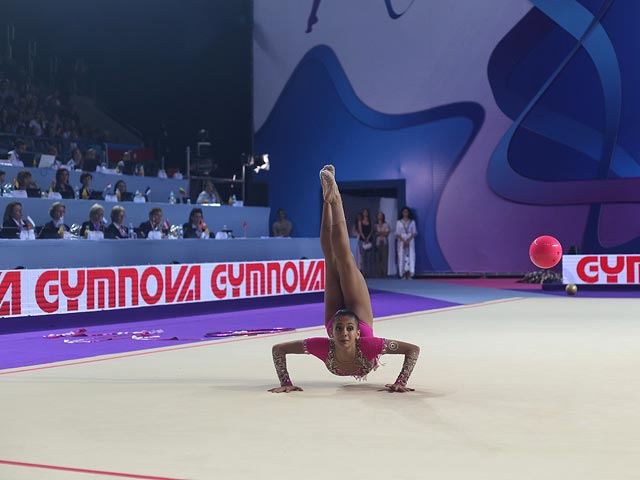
point(545, 251)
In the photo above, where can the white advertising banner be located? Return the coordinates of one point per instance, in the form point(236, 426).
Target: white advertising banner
point(601, 269)
point(41, 292)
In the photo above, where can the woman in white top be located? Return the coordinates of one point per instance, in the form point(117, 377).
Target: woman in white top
point(406, 232)
point(209, 194)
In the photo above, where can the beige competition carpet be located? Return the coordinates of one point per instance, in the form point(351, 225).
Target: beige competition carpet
point(526, 388)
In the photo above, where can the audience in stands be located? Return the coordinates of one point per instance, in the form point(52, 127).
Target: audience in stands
point(281, 227)
point(27, 108)
point(209, 194)
point(120, 191)
point(15, 155)
point(96, 221)
point(62, 184)
point(56, 228)
point(195, 227)
point(86, 190)
point(76, 161)
point(90, 162)
point(116, 229)
point(154, 224)
point(12, 222)
point(24, 181)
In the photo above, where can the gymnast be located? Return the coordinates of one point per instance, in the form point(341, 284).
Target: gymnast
point(351, 348)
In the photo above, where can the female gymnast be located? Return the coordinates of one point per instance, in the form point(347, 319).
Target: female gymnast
point(351, 348)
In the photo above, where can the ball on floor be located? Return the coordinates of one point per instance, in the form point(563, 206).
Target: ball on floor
point(571, 289)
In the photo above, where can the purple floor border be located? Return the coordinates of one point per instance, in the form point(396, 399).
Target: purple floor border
point(189, 323)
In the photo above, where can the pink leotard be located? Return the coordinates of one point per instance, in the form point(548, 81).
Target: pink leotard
point(369, 350)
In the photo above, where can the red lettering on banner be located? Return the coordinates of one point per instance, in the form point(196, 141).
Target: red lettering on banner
point(633, 261)
point(318, 276)
point(587, 265)
point(72, 290)
point(72, 293)
point(590, 267)
point(146, 296)
point(190, 290)
point(289, 287)
point(171, 289)
point(235, 281)
point(274, 275)
point(97, 280)
point(304, 279)
point(266, 278)
point(131, 275)
point(11, 280)
point(47, 282)
point(256, 279)
point(219, 275)
point(612, 272)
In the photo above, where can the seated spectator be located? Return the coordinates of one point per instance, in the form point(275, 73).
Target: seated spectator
point(195, 227)
point(56, 227)
point(76, 161)
point(116, 229)
point(14, 155)
point(86, 191)
point(209, 194)
point(37, 124)
point(281, 227)
point(25, 182)
point(124, 165)
point(120, 191)
point(53, 150)
point(62, 184)
point(96, 221)
point(2, 174)
point(154, 224)
point(90, 163)
point(12, 222)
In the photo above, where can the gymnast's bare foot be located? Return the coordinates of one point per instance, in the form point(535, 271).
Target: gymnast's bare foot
point(329, 187)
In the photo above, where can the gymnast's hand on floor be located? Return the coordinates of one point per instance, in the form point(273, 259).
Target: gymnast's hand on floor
point(286, 389)
point(396, 387)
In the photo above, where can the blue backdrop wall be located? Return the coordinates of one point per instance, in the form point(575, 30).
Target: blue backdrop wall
point(507, 119)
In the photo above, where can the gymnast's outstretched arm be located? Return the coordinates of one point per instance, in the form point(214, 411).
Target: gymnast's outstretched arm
point(279, 353)
point(411, 354)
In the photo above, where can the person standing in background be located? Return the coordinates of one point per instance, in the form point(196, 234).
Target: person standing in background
point(406, 232)
point(382, 231)
point(365, 244)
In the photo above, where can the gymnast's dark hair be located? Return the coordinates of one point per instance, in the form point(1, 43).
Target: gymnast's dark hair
point(345, 312)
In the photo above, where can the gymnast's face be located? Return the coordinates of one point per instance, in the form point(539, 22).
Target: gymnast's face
point(345, 330)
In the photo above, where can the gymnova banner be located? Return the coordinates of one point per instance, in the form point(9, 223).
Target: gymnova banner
point(41, 292)
point(601, 269)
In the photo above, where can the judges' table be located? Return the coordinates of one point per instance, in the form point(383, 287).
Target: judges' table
point(216, 217)
point(45, 254)
point(161, 188)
